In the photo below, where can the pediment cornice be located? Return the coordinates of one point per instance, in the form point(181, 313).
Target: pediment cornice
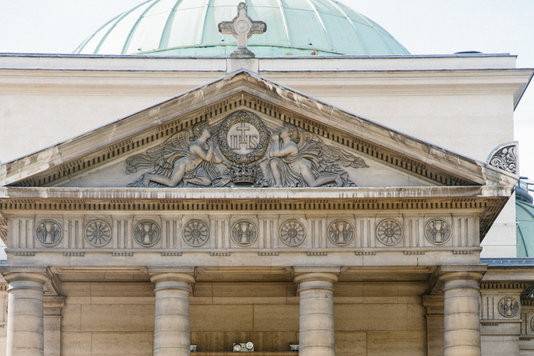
point(247, 91)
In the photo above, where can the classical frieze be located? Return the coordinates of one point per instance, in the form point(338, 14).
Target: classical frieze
point(501, 307)
point(96, 201)
point(240, 232)
point(527, 317)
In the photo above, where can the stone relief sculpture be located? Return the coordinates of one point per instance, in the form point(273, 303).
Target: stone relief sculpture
point(49, 232)
point(98, 233)
point(243, 150)
point(340, 233)
point(307, 164)
point(389, 232)
point(179, 163)
point(196, 233)
point(147, 233)
point(508, 307)
point(244, 233)
point(505, 157)
point(292, 233)
point(277, 230)
point(437, 231)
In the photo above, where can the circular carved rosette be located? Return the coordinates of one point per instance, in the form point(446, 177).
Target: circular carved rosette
point(389, 232)
point(196, 233)
point(244, 233)
point(98, 233)
point(147, 233)
point(292, 233)
point(437, 231)
point(340, 233)
point(508, 307)
point(49, 232)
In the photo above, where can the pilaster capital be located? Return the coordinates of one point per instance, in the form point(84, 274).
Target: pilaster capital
point(305, 270)
point(53, 305)
point(25, 274)
point(462, 272)
point(172, 278)
point(316, 278)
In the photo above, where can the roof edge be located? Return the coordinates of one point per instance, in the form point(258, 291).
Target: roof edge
point(448, 161)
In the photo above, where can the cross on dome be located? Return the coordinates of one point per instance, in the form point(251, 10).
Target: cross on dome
point(242, 27)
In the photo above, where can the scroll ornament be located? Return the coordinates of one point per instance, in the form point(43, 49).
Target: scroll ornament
point(505, 158)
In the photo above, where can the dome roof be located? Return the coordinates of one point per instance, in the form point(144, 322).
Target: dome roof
point(189, 28)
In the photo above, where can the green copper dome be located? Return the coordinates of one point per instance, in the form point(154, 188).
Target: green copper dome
point(189, 28)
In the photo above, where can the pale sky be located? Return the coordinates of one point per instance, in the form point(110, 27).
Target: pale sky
point(422, 26)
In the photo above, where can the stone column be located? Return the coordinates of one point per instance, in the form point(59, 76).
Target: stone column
point(53, 307)
point(316, 313)
point(172, 331)
point(501, 318)
point(461, 307)
point(25, 314)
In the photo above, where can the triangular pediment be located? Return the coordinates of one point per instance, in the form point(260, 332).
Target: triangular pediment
point(245, 130)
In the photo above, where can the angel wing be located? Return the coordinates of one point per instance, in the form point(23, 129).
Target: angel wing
point(340, 157)
point(324, 155)
point(161, 157)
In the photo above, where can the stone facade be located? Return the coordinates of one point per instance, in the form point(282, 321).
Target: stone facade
point(246, 211)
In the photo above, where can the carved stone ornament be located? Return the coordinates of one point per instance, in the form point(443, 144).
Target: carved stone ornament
point(49, 232)
point(98, 233)
point(340, 233)
point(147, 233)
point(389, 232)
point(196, 233)
point(508, 307)
point(292, 233)
point(3, 228)
point(244, 233)
point(242, 28)
point(437, 231)
point(532, 323)
point(505, 158)
point(242, 151)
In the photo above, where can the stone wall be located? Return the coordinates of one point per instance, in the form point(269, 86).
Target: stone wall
point(108, 319)
point(372, 319)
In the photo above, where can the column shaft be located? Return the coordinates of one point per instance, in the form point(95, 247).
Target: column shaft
point(171, 325)
point(25, 314)
point(461, 313)
point(316, 314)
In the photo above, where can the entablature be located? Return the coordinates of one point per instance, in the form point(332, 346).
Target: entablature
point(371, 232)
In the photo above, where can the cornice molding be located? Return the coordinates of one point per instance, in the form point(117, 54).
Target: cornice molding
point(503, 285)
point(247, 91)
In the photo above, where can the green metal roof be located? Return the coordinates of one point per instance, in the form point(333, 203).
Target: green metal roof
point(189, 28)
point(525, 228)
